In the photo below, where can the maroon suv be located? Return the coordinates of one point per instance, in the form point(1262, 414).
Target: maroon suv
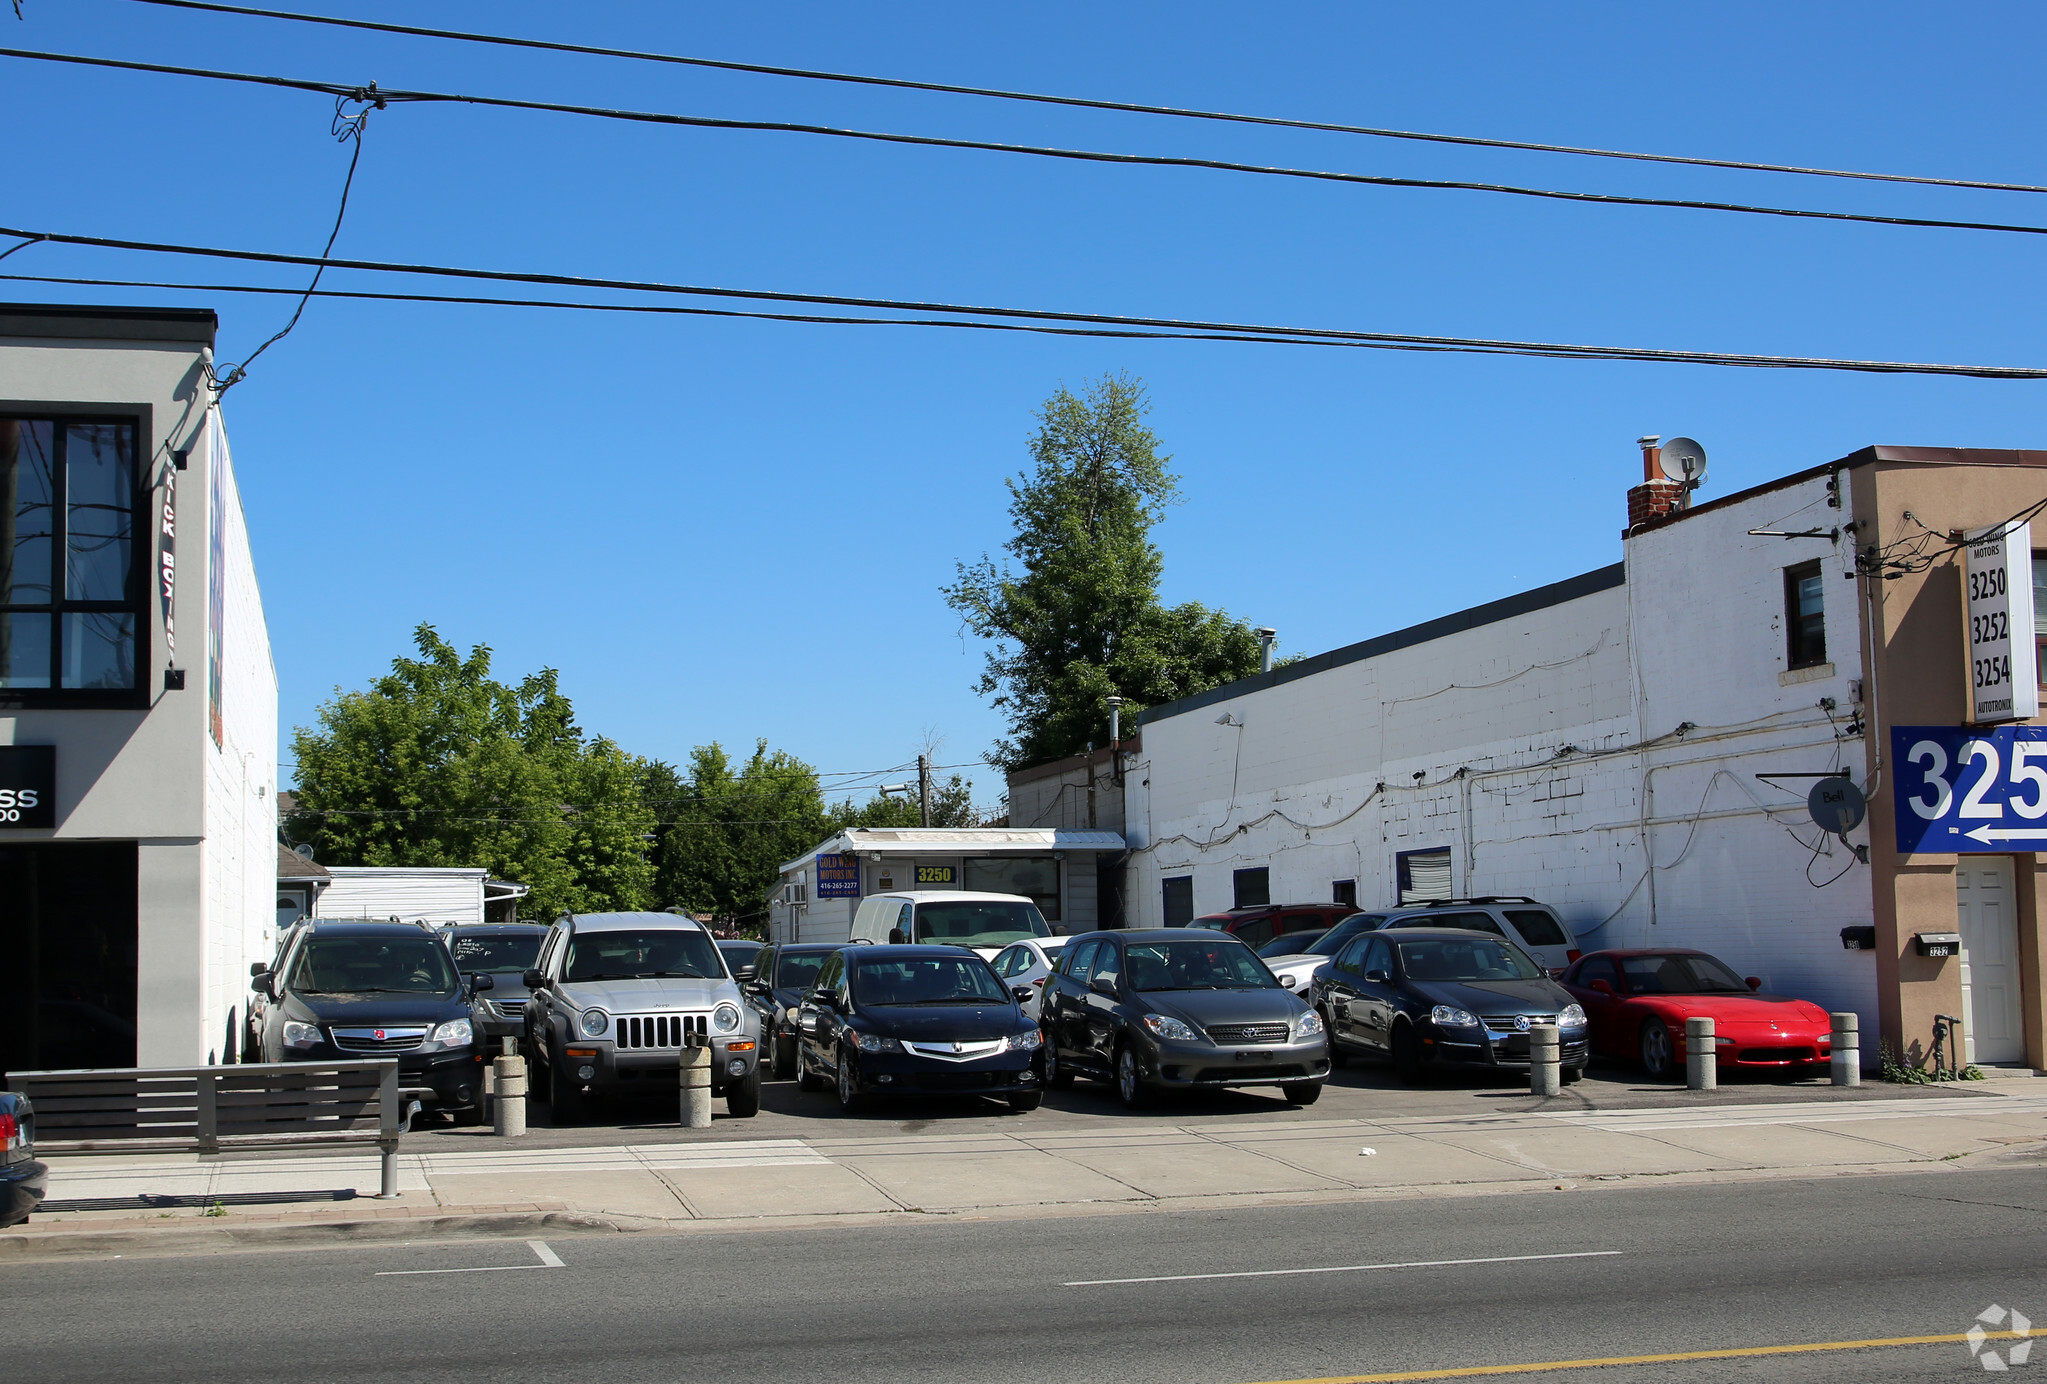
point(1254, 927)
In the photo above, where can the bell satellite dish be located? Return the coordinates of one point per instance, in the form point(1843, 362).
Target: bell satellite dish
point(1683, 460)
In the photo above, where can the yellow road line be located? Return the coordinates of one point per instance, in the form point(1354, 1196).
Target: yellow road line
point(1744, 1352)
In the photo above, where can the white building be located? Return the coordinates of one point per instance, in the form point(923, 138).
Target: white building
point(436, 894)
point(138, 702)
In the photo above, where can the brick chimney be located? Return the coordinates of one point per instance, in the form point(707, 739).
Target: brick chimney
point(1657, 495)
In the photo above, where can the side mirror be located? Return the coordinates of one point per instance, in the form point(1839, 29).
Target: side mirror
point(1754, 982)
point(895, 937)
point(258, 968)
point(824, 999)
point(1102, 985)
point(1024, 993)
point(1286, 982)
point(265, 985)
point(533, 980)
point(1379, 977)
point(743, 974)
point(482, 982)
point(1603, 987)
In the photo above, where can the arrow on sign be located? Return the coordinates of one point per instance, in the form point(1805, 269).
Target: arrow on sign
point(1989, 834)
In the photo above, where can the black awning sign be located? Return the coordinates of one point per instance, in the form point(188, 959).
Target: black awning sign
point(28, 785)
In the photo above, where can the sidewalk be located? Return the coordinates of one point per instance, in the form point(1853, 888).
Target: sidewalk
point(855, 1170)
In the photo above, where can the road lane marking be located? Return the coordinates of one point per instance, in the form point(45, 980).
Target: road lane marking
point(1675, 1357)
point(547, 1257)
point(1344, 1268)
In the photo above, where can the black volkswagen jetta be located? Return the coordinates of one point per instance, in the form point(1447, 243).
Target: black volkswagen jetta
point(906, 1020)
point(783, 976)
point(1440, 997)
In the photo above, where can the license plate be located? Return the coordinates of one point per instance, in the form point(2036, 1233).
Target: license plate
point(1254, 1057)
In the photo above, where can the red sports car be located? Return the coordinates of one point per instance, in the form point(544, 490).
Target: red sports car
point(1637, 1003)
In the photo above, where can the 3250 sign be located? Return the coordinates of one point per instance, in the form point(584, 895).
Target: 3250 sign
point(1955, 789)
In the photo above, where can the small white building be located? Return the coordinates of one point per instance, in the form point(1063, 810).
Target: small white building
point(1056, 868)
point(437, 894)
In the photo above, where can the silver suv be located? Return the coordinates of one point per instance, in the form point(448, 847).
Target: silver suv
point(616, 996)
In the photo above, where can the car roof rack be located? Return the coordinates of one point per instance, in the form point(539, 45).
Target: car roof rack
point(1482, 898)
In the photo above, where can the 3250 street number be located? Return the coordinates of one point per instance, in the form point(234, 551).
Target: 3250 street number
point(1960, 789)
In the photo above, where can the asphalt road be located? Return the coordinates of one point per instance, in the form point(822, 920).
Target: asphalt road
point(1662, 1270)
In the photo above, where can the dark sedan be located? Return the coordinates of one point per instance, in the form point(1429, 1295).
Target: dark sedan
point(904, 1021)
point(1178, 1009)
point(1443, 997)
point(741, 956)
point(782, 977)
point(23, 1181)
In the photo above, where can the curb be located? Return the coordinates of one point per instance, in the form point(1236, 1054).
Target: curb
point(138, 1242)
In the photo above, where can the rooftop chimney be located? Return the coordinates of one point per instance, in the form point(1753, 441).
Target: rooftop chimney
point(1657, 495)
point(1266, 637)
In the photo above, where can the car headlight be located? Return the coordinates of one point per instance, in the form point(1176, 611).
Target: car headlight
point(456, 1033)
point(1308, 1025)
point(593, 1022)
point(1571, 1016)
point(1025, 1042)
point(872, 1042)
point(1165, 1026)
point(1445, 1016)
point(298, 1035)
point(725, 1018)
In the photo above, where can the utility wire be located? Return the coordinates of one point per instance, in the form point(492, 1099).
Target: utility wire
point(1169, 327)
point(1085, 103)
point(1034, 150)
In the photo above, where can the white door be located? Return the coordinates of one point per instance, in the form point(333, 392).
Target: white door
point(1990, 971)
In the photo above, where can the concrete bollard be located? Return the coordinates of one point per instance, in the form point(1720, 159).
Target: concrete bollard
point(696, 1084)
point(1545, 1057)
point(1702, 1056)
point(1847, 1050)
point(508, 1106)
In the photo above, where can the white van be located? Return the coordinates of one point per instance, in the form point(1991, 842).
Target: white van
point(949, 917)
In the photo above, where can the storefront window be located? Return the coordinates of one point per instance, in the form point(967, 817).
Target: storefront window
point(1037, 879)
point(69, 579)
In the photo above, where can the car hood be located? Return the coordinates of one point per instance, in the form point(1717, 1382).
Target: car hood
point(1740, 1009)
point(945, 1022)
point(376, 1011)
point(506, 985)
point(643, 996)
point(1205, 1007)
point(1484, 997)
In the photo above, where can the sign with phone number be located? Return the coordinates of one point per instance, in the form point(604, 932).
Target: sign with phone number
point(1957, 789)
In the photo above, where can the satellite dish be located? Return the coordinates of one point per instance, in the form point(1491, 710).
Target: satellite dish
point(303, 852)
point(1836, 804)
point(1683, 460)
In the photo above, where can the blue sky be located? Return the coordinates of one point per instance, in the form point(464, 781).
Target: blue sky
point(725, 530)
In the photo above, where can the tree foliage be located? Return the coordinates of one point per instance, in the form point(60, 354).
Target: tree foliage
point(952, 805)
point(1080, 620)
point(726, 830)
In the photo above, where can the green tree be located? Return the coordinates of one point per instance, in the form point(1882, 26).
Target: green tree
point(725, 836)
point(952, 805)
point(439, 763)
point(1081, 620)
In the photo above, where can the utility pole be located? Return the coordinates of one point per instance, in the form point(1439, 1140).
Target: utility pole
point(924, 788)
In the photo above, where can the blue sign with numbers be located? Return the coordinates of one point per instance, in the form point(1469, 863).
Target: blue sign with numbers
point(1954, 789)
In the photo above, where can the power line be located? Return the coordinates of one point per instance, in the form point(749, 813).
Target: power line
point(1166, 328)
point(1086, 103)
point(381, 95)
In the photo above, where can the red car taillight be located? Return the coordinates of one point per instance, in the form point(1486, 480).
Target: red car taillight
point(10, 1132)
point(1572, 954)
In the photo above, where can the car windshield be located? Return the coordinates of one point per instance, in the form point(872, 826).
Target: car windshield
point(1465, 959)
point(1332, 941)
point(373, 965)
point(1291, 944)
point(642, 954)
point(1678, 975)
point(1204, 963)
point(927, 980)
point(1212, 924)
point(979, 923)
point(798, 972)
point(483, 952)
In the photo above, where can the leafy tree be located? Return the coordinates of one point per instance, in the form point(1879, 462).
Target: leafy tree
point(1082, 620)
point(439, 763)
point(952, 805)
point(724, 837)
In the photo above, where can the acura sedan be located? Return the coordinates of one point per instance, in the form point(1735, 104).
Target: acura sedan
point(1426, 998)
point(1178, 1009)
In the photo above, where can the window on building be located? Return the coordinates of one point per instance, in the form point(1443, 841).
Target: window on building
point(70, 586)
point(1177, 894)
point(1036, 878)
point(2040, 612)
point(1344, 892)
point(1423, 875)
point(1251, 888)
point(1805, 625)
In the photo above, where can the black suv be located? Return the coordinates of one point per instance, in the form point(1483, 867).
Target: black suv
point(366, 990)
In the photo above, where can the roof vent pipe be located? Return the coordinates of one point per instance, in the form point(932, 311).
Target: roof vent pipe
point(1267, 637)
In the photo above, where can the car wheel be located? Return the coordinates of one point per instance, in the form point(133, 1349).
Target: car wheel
point(1301, 1092)
point(850, 1099)
point(1130, 1087)
point(785, 1058)
point(806, 1079)
point(1024, 1101)
point(743, 1098)
point(1659, 1054)
point(1572, 1075)
point(1056, 1073)
point(1407, 1056)
point(564, 1100)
